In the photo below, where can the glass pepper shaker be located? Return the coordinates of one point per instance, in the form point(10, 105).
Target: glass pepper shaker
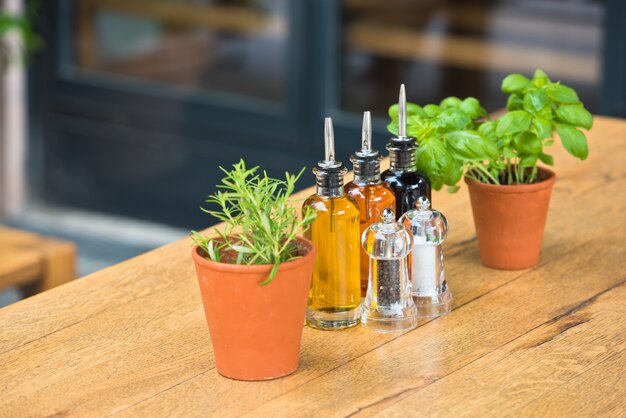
point(388, 305)
point(428, 283)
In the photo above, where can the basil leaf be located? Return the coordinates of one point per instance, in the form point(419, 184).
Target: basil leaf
point(451, 119)
point(527, 143)
point(413, 109)
point(488, 130)
point(546, 159)
point(514, 102)
point(471, 145)
point(455, 173)
point(528, 161)
point(514, 83)
point(575, 115)
point(513, 122)
point(573, 141)
point(535, 100)
point(450, 102)
point(542, 127)
point(562, 94)
point(540, 79)
point(508, 153)
point(432, 110)
point(472, 107)
point(434, 159)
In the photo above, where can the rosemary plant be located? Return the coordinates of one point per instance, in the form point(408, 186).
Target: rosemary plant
point(260, 225)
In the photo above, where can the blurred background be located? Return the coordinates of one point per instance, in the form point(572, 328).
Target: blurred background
point(114, 128)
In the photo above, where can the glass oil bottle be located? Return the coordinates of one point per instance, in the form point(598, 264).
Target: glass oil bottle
point(429, 288)
point(367, 189)
point(402, 177)
point(335, 294)
point(388, 305)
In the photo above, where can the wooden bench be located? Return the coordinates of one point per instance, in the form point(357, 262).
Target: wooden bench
point(34, 263)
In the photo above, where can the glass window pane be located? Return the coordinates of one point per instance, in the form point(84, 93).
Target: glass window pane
point(236, 46)
point(442, 48)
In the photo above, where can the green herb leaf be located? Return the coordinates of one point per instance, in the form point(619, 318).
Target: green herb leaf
point(542, 127)
point(488, 130)
point(514, 83)
point(472, 108)
point(242, 249)
point(454, 174)
point(540, 79)
point(546, 159)
point(411, 109)
point(432, 110)
point(509, 153)
point(471, 145)
point(434, 159)
point(562, 94)
point(450, 102)
point(514, 102)
point(575, 115)
point(573, 141)
point(528, 161)
point(535, 100)
point(527, 143)
point(272, 274)
point(513, 122)
point(451, 119)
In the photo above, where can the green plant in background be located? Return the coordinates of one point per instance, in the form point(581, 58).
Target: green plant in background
point(455, 137)
point(22, 26)
point(449, 142)
point(260, 225)
point(536, 109)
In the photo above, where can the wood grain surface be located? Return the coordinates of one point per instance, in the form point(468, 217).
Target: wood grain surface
point(131, 340)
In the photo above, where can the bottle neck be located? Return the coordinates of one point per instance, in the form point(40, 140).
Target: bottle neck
point(329, 181)
point(366, 170)
point(402, 154)
point(367, 180)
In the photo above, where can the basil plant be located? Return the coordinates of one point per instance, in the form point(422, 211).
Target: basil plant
point(456, 137)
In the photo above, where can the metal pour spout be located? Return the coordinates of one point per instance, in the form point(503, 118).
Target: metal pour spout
point(329, 140)
point(402, 113)
point(366, 133)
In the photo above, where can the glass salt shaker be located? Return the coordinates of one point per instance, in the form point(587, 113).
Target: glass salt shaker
point(388, 305)
point(428, 283)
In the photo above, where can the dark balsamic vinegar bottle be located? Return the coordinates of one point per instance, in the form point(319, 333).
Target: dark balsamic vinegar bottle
point(402, 176)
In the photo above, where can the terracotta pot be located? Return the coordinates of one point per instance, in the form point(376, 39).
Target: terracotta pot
point(255, 330)
point(510, 220)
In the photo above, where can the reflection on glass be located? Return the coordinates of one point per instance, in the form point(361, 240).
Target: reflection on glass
point(441, 48)
point(227, 45)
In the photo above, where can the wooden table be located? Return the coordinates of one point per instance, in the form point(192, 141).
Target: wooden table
point(131, 340)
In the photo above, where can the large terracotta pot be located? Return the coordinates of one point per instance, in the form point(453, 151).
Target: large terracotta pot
point(255, 330)
point(510, 220)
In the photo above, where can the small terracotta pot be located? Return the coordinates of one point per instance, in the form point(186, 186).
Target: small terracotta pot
point(255, 330)
point(510, 220)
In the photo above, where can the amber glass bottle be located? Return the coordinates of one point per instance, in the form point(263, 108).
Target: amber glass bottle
point(335, 294)
point(402, 177)
point(368, 190)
